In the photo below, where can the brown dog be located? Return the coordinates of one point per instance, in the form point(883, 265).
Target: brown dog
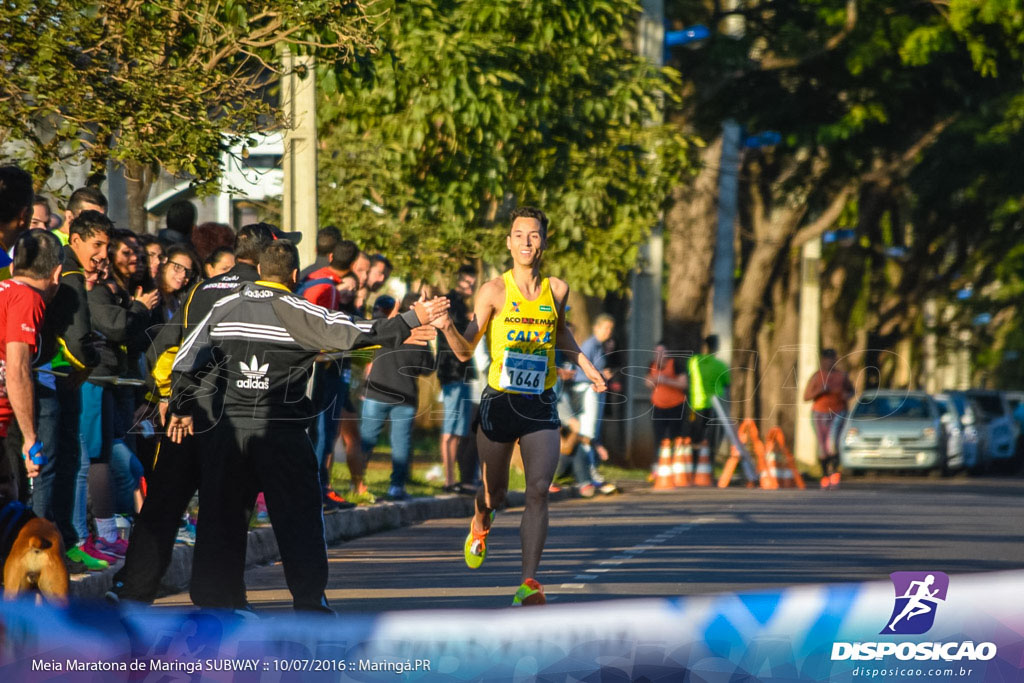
point(36, 561)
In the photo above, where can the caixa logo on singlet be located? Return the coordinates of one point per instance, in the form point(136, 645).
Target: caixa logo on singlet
point(255, 375)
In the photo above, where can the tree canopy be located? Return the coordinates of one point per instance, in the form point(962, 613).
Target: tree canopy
point(156, 84)
point(468, 108)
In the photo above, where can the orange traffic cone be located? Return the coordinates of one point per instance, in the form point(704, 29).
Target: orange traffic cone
point(784, 476)
point(702, 476)
point(790, 471)
point(730, 467)
point(682, 462)
point(771, 472)
point(663, 481)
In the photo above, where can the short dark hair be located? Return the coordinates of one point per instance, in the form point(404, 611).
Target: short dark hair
point(251, 240)
point(711, 342)
point(381, 258)
point(466, 269)
point(278, 260)
point(530, 212)
point(36, 254)
point(15, 192)
point(40, 200)
point(83, 196)
point(181, 216)
point(344, 255)
point(326, 239)
point(216, 255)
point(385, 304)
point(88, 223)
point(829, 353)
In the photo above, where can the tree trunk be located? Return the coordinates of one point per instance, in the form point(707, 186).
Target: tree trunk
point(689, 251)
point(138, 180)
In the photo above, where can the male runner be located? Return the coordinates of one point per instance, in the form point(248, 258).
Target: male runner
point(523, 315)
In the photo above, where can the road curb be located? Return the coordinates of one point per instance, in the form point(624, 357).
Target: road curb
point(339, 526)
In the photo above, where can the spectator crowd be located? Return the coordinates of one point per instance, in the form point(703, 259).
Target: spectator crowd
point(93, 316)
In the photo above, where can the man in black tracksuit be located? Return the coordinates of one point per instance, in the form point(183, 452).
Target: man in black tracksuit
point(257, 346)
point(175, 477)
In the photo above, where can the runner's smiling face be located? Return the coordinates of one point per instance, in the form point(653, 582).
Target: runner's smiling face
point(526, 241)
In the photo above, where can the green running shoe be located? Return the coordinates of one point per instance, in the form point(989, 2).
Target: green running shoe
point(475, 548)
point(76, 554)
point(530, 593)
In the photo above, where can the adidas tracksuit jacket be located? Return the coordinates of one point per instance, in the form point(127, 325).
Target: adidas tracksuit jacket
point(262, 341)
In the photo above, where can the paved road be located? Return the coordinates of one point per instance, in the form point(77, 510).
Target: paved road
point(684, 542)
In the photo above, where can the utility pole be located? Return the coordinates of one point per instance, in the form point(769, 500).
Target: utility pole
point(725, 252)
point(805, 447)
point(299, 203)
point(645, 319)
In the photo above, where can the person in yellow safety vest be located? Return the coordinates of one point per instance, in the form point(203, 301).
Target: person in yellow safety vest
point(709, 377)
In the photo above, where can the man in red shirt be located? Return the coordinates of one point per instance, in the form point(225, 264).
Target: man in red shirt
point(38, 257)
point(319, 287)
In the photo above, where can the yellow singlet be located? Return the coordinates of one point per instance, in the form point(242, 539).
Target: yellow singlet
point(521, 338)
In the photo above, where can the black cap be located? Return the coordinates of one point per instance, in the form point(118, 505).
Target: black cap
point(265, 232)
point(293, 237)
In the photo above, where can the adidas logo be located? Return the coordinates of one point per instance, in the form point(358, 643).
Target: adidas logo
point(255, 375)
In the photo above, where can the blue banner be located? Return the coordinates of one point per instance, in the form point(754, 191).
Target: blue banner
point(946, 628)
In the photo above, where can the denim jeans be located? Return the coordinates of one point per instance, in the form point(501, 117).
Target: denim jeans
point(327, 402)
point(372, 423)
point(47, 418)
point(90, 435)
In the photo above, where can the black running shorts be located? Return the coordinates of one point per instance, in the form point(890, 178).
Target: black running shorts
point(506, 417)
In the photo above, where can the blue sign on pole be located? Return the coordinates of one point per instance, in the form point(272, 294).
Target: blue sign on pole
point(690, 34)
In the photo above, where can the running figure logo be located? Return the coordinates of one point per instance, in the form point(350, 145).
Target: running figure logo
point(918, 594)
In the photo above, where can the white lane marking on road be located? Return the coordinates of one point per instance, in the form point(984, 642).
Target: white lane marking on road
point(650, 544)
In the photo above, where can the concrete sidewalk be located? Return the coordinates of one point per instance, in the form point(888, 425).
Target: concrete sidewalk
point(339, 526)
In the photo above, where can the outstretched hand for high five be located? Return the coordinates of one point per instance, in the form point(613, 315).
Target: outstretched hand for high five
point(431, 309)
point(421, 336)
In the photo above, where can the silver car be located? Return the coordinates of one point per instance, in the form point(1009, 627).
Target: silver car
point(998, 422)
point(894, 430)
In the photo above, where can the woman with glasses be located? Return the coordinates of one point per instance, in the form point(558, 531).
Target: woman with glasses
point(173, 278)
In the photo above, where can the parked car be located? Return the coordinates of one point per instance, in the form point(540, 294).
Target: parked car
point(962, 441)
point(890, 430)
point(1016, 401)
point(974, 430)
point(997, 420)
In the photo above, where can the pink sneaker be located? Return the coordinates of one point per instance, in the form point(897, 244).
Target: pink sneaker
point(118, 548)
point(90, 549)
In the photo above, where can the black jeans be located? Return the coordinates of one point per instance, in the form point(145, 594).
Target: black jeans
point(175, 479)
